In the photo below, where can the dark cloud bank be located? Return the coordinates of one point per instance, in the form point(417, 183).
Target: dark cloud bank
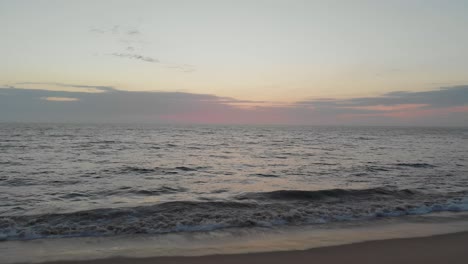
point(443, 107)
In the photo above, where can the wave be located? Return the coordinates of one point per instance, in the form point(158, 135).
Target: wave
point(125, 190)
point(12, 181)
point(151, 170)
point(264, 175)
point(366, 138)
point(104, 142)
point(416, 165)
point(324, 194)
point(283, 207)
point(372, 168)
point(183, 168)
point(158, 191)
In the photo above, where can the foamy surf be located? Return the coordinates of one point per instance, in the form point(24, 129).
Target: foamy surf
point(232, 240)
point(265, 209)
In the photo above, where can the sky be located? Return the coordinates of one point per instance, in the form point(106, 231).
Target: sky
point(256, 62)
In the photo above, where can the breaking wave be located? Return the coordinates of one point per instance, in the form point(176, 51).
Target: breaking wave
point(283, 207)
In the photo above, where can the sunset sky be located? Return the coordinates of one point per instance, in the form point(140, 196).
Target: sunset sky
point(255, 62)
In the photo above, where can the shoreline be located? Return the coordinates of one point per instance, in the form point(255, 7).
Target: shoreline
point(447, 248)
point(242, 244)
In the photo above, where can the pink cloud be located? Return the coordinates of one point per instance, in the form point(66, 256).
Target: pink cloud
point(411, 113)
point(398, 107)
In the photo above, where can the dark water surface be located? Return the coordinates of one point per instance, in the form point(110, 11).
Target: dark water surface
point(100, 180)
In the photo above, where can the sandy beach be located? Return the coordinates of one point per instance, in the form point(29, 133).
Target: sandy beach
point(450, 248)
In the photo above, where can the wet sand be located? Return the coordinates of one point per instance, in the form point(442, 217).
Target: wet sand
point(450, 248)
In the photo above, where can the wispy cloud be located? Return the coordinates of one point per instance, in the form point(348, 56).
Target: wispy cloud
point(136, 57)
point(132, 39)
point(81, 88)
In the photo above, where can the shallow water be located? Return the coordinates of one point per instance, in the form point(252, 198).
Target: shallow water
point(231, 241)
point(106, 180)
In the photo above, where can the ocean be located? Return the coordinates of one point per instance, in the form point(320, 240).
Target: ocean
point(61, 181)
